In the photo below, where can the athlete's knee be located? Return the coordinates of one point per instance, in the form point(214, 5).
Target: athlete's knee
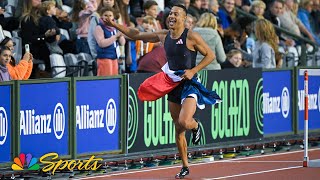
point(184, 122)
point(179, 130)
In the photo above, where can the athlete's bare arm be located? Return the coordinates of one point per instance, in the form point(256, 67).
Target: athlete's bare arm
point(195, 42)
point(135, 34)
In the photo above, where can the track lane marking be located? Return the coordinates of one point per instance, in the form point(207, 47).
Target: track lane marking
point(252, 173)
point(197, 164)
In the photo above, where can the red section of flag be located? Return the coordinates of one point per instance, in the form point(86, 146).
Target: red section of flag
point(156, 87)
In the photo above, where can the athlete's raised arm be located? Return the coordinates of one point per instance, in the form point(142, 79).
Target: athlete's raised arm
point(135, 34)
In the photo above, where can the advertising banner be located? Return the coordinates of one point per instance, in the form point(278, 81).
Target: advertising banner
point(44, 117)
point(98, 115)
point(238, 117)
point(277, 102)
point(5, 123)
point(314, 102)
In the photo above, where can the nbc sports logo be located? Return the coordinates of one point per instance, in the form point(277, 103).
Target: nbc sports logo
point(25, 161)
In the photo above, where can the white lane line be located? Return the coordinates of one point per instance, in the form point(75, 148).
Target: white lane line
point(258, 172)
point(198, 164)
point(263, 161)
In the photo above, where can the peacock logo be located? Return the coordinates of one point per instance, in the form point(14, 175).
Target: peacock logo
point(25, 161)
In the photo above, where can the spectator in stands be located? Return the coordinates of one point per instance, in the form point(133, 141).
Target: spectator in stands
point(205, 6)
point(234, 59)
point(266, 45)
point(214, 7)
point(190, 22)
point(207, 28)
point(236, 35)
point(69, 2)
point(124, 19)
point(257, 8)
point(150, 8)
point(195, 8)
point(61, 15)
point(46, 22)
point(21, 70)
point(290, 22)
point(5, 57)
point(108, 39)
point(143, 48)
point(187, 3)
point(227, 13)
point(88, 8)
point(316, 15)
point(272, 14)
point(304, 15)
point(8, 23)
point(94, 20)
point(246, 4)
point(30, 34)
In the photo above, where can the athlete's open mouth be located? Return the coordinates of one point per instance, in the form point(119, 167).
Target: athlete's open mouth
point(172, 22)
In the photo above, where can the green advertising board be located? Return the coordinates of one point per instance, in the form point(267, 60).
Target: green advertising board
point(238, 117)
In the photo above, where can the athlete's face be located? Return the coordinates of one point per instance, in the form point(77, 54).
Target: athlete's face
point(176, 17)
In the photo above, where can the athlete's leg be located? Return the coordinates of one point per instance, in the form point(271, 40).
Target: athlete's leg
point(182, 116)
point(180, 133)
point(188, 109)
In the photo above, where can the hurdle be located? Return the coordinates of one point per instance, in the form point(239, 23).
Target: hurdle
point(306, 73)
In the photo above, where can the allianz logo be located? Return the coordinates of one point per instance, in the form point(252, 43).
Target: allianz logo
point(277, 104)
point(3, 125)
point(87, 118)
point(314, 101)
point(32, 123)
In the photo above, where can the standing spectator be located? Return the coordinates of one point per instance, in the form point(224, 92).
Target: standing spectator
point(125, 20)
point(266, 44)
point(46, 22)
point(150, 8)
point(5, 57)
point(207, 28)
point(21, 70)
point(195, 8)
point(94, 20)
point(30, 34)
point(88, 8)
point(108, 40)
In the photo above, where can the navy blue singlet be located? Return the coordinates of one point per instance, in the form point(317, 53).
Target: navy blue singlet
point(178, 55)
